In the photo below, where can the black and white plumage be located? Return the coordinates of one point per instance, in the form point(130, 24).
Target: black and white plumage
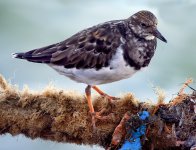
point(104, 53)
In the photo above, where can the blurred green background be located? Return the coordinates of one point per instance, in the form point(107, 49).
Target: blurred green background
point(25, 25)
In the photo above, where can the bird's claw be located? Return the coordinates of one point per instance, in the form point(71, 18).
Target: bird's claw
point(97, 116)
point(110, 98)
point(105, 118)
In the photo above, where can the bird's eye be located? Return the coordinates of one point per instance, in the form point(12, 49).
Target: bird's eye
point(143, 25)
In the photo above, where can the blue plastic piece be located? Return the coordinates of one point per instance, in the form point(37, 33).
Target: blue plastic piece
point(144, 115)
point(134, 142)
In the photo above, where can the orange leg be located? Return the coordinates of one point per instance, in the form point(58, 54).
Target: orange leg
point(88, 96)
point(94, 114)
point(103, 94)
point(90, 104)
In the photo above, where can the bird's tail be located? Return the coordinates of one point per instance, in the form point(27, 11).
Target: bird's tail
point(18, 55)
point(42, 58)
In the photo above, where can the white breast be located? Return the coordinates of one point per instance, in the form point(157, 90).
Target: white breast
point(117, 70)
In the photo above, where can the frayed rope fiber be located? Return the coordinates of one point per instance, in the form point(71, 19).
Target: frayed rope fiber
point(57, 115)
point(62, 116)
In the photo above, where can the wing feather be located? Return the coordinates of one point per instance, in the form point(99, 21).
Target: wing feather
point(89, 48)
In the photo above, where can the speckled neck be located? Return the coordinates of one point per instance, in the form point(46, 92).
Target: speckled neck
point(137, 51)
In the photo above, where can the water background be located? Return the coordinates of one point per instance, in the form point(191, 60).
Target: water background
point(25, 25)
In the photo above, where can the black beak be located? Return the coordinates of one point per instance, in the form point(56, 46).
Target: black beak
point(159, 35)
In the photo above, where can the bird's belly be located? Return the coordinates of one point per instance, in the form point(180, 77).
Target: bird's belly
point(96, 77)
point(117, 70)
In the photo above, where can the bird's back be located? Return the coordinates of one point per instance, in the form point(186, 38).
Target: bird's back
point(92, 47)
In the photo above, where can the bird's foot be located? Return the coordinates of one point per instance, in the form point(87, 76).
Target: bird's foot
point(104, 118)
point(98, 116)
point(110, 98)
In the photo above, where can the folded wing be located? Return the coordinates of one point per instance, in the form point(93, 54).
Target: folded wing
point(90, 48)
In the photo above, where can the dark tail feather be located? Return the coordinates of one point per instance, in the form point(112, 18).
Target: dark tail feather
point(33, 58)
point(18, 55)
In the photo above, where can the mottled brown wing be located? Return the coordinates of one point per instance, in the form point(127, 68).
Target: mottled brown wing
point(89, 48)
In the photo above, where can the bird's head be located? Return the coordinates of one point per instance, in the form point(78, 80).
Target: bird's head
point(144, 25)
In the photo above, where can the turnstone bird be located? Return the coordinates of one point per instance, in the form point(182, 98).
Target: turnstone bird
point(104, 53)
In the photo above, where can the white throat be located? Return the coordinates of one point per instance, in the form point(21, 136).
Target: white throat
point(150, 37)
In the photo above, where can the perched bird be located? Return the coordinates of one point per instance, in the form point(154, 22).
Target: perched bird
point(104, 53)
